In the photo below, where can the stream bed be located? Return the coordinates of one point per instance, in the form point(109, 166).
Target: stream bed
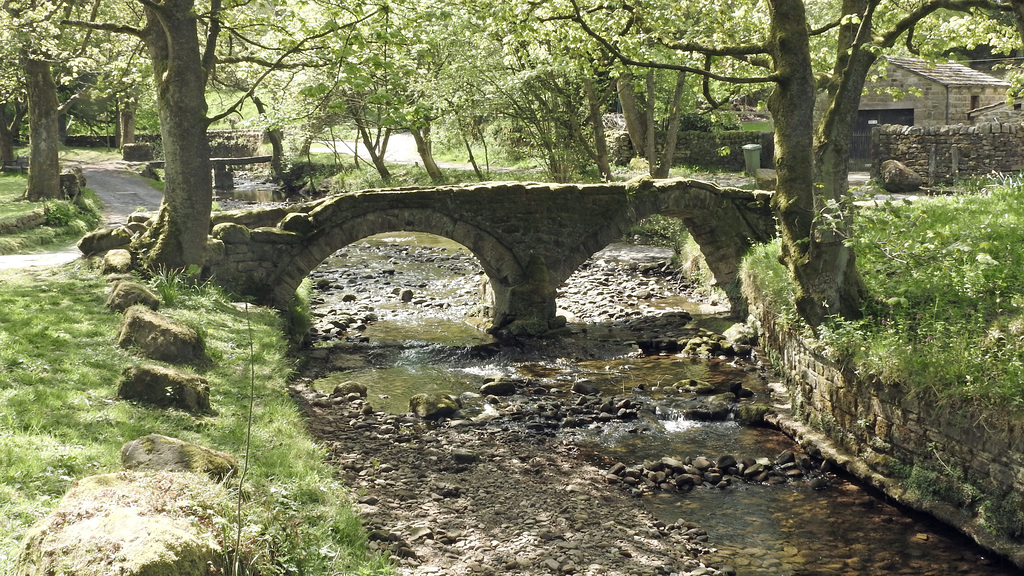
point(644, 387)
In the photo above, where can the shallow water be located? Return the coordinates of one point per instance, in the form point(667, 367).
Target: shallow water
point(787, 529)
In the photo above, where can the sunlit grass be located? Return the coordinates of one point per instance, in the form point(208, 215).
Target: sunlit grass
point(945, 305)
point(67, 224)
point(60, 419)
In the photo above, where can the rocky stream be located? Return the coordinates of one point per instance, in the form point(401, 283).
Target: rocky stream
point(630, 444)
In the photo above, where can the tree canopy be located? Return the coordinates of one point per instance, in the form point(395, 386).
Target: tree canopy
point(536, 76)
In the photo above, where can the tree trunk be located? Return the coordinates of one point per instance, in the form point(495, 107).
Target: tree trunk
point(10, 118)
point(126, 120)
point(832, 154)
point(375, 155)
point(650, 149)
point(604, 166)
point(44, 145)
point(276, 138)
point(803, 251)
point(472, 158)
point(422, 138)
point(672, 135)
point(183, 224)
point(635, 125)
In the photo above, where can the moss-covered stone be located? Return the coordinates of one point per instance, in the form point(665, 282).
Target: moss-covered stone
point(159, 337)
point(117, 261)
point(129, 524)
point(126, 294)
point(432, 406)
point(158, 452)
point(165, 387)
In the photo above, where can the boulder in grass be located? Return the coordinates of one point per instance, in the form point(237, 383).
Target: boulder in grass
point(159, 337)
point(103, 240)
point(126, 294)
point(165, 387)
point(131, 524)
point(158, 452)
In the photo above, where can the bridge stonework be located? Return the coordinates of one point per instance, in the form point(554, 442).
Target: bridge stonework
point(528, 237)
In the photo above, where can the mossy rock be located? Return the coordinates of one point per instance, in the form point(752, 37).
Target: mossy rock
point(432, 406)
point(159, 452)
point(159, 337)
point(117, 261)
point(127, 294)
point(103, 240)
point(752, 414)
point(165, 387)
point(131, 524)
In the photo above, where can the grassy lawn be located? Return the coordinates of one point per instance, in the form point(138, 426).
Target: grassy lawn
point(945, 310)
point(60, 419)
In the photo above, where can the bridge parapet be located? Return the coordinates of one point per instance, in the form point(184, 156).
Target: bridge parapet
point(520, 232)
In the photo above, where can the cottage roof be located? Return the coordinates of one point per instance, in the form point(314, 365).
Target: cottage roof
point(947, 74)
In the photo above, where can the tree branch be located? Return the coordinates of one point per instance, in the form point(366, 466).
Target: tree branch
point(105, 26)
point(577, 17)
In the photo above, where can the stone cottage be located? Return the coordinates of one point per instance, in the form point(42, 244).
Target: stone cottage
point(916, 92)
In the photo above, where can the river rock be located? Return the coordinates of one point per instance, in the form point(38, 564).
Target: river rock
point(432, 406)
point(585, 387)
point(499, 386)
point(346, 388)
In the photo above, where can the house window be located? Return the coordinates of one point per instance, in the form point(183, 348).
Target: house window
point(975, 102)
point(1017, 106)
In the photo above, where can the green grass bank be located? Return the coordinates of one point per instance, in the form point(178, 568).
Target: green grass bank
point(60, 419)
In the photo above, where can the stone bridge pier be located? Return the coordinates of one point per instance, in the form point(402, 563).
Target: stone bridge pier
point(529, 238)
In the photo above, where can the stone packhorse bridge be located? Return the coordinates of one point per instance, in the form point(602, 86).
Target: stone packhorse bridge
point(529, 238)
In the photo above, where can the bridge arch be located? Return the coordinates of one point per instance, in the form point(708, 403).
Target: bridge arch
point(500, 264)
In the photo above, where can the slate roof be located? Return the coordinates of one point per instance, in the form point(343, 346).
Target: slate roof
point(948, 74)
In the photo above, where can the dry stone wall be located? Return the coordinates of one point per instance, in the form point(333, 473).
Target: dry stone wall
point(961, 462)
point(941, 154)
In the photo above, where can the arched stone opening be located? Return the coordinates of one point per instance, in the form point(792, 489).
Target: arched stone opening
point(500, 264)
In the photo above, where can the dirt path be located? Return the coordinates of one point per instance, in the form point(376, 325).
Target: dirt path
point(121, 192)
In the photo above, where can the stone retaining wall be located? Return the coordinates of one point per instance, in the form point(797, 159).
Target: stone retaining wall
point(701, 149)
point(941, 154)
point(33, 219)
point(960, 462)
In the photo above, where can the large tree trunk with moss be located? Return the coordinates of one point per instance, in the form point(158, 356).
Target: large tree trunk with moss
point(808, 247)
point(832, 154)
point(44, 142)
point(184, 221)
